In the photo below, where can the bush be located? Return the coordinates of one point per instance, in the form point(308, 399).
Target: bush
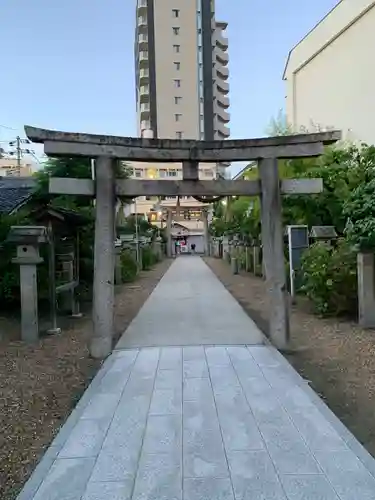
point(128, 267)
point(148, 258)
point(329, 277)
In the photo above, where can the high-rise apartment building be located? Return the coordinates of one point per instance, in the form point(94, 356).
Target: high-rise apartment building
point(181, 81)
point(181, 70)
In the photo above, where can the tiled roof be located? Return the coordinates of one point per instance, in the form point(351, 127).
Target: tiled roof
point(14, 191)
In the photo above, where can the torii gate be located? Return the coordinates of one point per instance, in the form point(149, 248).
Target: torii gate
point(107, 150)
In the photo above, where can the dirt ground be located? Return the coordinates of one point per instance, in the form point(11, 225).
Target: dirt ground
point(337, 356)
point(40, 384)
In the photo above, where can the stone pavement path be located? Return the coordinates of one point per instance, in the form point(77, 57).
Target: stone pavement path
point(201, 423)
point(190, 306)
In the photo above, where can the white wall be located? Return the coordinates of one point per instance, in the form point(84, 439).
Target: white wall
point(330, 75)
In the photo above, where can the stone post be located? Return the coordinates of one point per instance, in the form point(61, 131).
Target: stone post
point(234, 265)
point(247, 259)
point(366, 290)
point(104, 259)
point(273, 253)
point(206, 233)
point(169, 233)
point(28, 258)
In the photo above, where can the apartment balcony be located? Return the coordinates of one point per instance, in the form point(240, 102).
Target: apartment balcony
point(222, 71)
point(221, 131)
point(142, 6)
point(145, 111)
point(144, 93)
point(222, 56)
point(221, 41)
point(144, 75)
point(222, 115)
point(222, 86)
point(142, 23)
point(143, 58)
point(222, 100)
point(145, 125)
point(143, 41)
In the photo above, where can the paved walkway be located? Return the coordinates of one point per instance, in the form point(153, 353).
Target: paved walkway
point(220, 422)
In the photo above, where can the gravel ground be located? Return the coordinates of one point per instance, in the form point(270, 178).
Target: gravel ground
point(337, 356)
point(39, 385)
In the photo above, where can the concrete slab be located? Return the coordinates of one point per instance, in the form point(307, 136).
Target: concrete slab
point(202, 421)
point(190, 306)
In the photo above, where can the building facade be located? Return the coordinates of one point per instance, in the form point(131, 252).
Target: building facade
point(181, 82)
point(329, 76)
point(9, 167)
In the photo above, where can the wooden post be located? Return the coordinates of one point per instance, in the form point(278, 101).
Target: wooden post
point(273, 254)
point(104, 265)
point(169, 233)
point(366, 289)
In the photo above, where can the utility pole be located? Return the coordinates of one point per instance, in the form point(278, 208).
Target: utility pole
point(19, 152)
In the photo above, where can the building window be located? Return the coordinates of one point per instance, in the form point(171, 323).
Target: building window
point(177, 117)
point(177, 66)
point(138, 172)
point(162, 172)
point(176, 13)
point(172, 173)
point(176, 48)
point(177, 83)
point(178, 135)
point(176, 31)
point(177, 100)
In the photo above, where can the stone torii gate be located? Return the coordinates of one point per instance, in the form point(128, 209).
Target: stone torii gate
point(107, 150)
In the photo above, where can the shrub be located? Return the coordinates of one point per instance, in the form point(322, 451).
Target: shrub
point(128, 267)
point(148, 258)
point(329, 277)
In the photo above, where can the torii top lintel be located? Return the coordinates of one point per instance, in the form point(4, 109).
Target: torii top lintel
point(57, 143)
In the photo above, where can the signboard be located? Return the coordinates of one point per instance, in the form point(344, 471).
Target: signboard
point(298, 242)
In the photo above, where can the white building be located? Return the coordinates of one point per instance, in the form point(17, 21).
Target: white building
point(330, 74)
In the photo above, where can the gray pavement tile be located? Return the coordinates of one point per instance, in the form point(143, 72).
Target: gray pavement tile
point(114, 382)
point(86, 439)
point(163, 434)
point(195, 368)
point(240, 431)
point(147, 362)
point(170, 358)
point(316, 430)
point(200, 416)
point(169, 379)
point(125, 432)
point(193, 352)
point(116, 490)
point(264, 356)
point(166, 402)
point(208, 489)
point(138, 385)
point(159, 477)
point(266, 408)
point(101, 406)
point(282, 378)
point(296, 398)
point(347, 474)
point(197, 389)
point(231, 399)
point(203, 454)
point(308, 487)
point(254, 477)
point(217, 356)
point(286, 446)
point(129, 354)
point(223, 376)
point(116, 464)
point(66, 479)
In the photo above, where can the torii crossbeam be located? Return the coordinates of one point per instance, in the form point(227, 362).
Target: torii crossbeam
point(106, 150)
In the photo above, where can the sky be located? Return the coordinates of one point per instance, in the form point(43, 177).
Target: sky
point(68, 65)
